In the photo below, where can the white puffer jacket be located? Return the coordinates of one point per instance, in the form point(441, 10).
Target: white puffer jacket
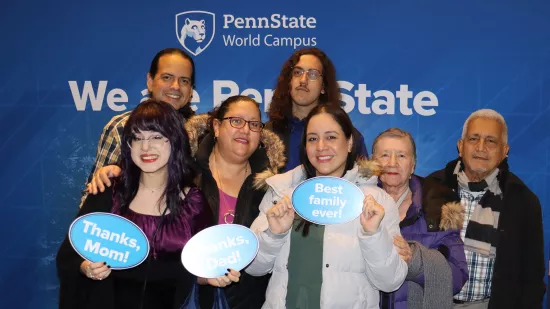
point(355, 266)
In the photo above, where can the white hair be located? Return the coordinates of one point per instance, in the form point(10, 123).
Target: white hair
point(487, 114)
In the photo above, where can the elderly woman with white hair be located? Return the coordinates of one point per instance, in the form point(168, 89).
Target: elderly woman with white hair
point(430, 223)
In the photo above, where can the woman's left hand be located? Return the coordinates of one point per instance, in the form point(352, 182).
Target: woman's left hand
point(403, 248)
point(372, 215)
point(230, 277)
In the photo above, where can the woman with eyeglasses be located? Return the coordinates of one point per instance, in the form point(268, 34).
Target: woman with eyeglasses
point(335, 266)
point(231, 150)
point(157, 193)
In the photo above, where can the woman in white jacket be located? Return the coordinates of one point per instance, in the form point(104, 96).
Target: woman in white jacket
point(337, 266)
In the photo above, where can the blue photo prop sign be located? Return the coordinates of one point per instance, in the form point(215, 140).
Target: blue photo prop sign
point(106, 237)
point(328, 200)
point(213, 250)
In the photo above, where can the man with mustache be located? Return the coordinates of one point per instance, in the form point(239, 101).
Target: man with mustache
point(171, 79)
point(307, 79)
point(502, 232)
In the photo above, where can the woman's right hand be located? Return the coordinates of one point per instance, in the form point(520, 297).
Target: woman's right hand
point(101, 178)
point(95, 271)
point(403, 248)
point(280, 216)
point(230, 277)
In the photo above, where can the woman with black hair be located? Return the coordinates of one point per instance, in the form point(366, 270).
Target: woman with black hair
point(156, 192)
point(336, 266)
point(231, 150)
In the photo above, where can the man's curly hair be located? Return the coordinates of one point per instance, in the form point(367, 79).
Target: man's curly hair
point(281, 103)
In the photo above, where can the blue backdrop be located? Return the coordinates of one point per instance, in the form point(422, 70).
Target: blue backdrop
point(69, 66)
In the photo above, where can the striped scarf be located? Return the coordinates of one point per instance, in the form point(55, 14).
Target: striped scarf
point(482, 230)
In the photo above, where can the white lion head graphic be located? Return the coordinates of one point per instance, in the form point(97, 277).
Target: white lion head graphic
point(195, 30)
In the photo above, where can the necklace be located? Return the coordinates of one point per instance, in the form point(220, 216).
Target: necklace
point(229, 216)
point(153, 190)
point(161, 204)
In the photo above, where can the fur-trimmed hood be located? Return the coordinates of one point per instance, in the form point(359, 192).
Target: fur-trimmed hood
point(441, 206)
point(452, 216)
point(199, 126)
point(363, 169)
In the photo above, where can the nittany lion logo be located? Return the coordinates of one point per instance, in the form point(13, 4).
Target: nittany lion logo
point(195, 30)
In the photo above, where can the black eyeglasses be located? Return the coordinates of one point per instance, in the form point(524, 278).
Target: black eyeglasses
point(312, 74)
point(238, 123)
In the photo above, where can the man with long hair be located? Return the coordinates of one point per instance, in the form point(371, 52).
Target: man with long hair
point(307, 79)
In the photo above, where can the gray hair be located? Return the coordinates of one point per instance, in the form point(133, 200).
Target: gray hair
point(487, 114)
point(396, 133)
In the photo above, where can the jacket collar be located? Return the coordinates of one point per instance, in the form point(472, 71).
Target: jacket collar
point(364, 172)
point(451, 181)
point(438, 204)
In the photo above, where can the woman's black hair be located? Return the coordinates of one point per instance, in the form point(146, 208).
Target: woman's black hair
point(343, 120)
point(160, 117)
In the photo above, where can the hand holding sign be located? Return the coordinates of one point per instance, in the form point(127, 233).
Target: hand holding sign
point(232, 276)
point(105, 237)
point(219, 252)
point(328, 200)
point(95, 271)
point(280, 216)
point(372, 215)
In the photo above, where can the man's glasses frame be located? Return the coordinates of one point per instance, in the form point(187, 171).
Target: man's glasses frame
point(312, 74)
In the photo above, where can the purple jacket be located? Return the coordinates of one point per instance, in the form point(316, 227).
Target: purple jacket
point(428, 224)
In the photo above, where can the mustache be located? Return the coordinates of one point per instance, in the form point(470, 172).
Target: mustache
point(480, 155)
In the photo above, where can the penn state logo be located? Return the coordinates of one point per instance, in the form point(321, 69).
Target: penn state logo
point(195, 30)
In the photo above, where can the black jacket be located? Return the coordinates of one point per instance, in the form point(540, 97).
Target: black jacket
point(519, 270)
point(249, 292)
point(168, 282)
